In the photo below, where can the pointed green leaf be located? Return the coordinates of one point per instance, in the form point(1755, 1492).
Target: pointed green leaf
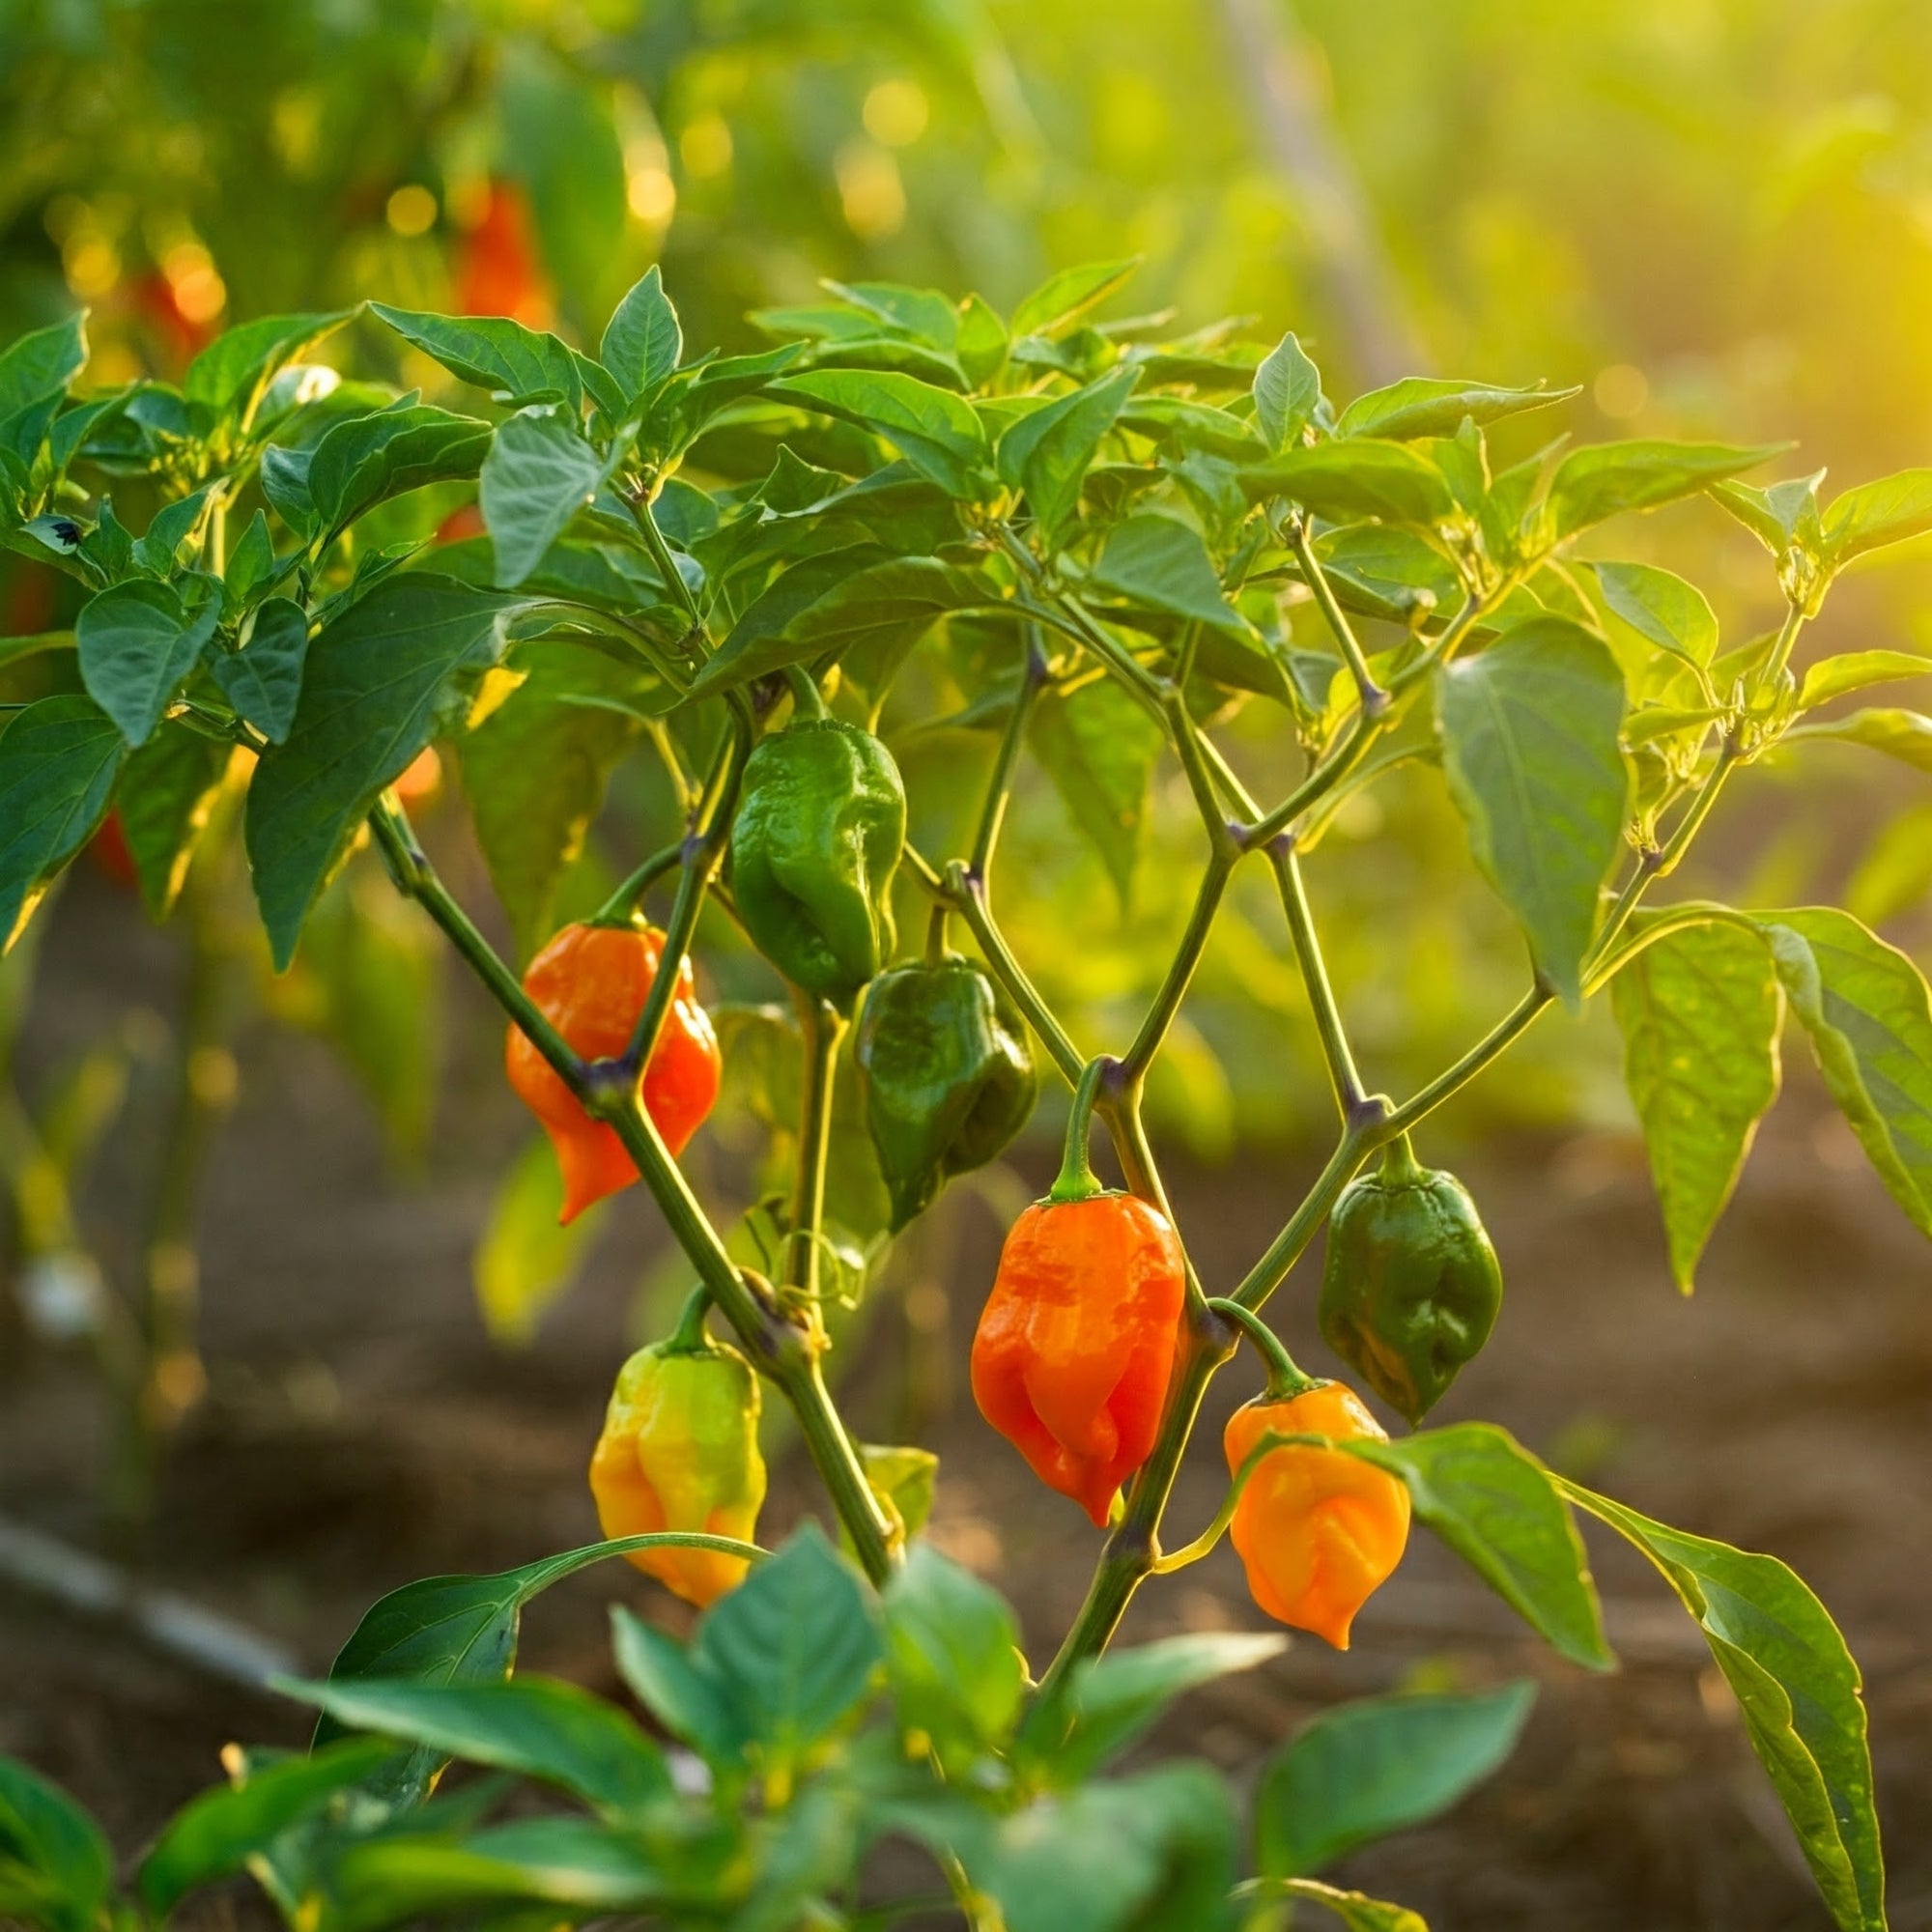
point(1905, 735)
point(373, 677)
point(492, 353)
point(1421, 406)
point(1700, 1011)
point(1784, 515)
point(1061, 299)
point(1047, 453)
point(1855, 671)
point(1798, 1690)
point(1098, 747)
point(1494, 1505)
point(1161, 563)
point(1287, 392)
point(954, 1657)
point(57, 762)
point(1865, 1008)
point(43, 364)
point(643, 341)
point(1356, 1909)
point(56, 1870)
point(360, 462)
point(679, 1689)
point(166, 792)
point(538, 474)
point(229, 376)
point(263, 680)
point(1530, 730)
point(1364, 1770)
point(137, 646)
point(934, 430)
point(1605, 479)
point(1661, 605)
point(1343, 481)
point(1891, 510)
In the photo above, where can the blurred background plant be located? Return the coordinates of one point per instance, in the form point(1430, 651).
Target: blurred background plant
point(1714, 214)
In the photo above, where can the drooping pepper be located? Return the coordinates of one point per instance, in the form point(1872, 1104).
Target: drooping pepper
point(680, 1451)
point(820, 826)
point(1077, 1340)
point(1317, 1530)
point(947, 1074)
point(592, 983)
point(1410, 1287)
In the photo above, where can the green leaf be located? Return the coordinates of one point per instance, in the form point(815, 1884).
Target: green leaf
point(679, 1689)
point(360, 462)
point(517, 364)
point(527, 1258)
point(1420, 406)
point(981, 341)
point(1905, 735)
point(1853, 670)
point(1784, 515)
point(1493, 1503)
point(166, 792)
point(1896, 870)
point(1046, 453)
point(924, 314)
point(57, 762)
point(370, 688)
point(1606, 478)
point(1115, 1699)
point(263, 680)
point(794, 1645)
point(934, 430)
point(538, 474)
point(1530, 745)
point(1661, 605)
point(535, 771)
point(886, 605)
point(1100, 748)
point(1378, 1764)
point(1865, 1008)
point(1700, 1011)
point(1287, 392)
point(137, 646)
point(56, 1869)
point(535, 1726)
point(1891, 510)
point(1384, 571)
point(643, 341)
point(904, 1478)
point(1358, 1912)
point(43, 364)
point(252, 566)
point(1343, 481)
point(230, 375)
point(1798, 1690)
point(1061, 299)
point(1160, 562)
point(953, 1659)
point(220, 1831)
point(579, 1868)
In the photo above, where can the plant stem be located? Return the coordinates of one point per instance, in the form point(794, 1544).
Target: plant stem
point(1375, 700)
point(1076, 1180)
point(823, 1027)
point(639, 502)
point(999, 785)
point(1343, 1076)
point(1286, 1378)
point(785, 1353)
point(968, 896)
point(1172, 988)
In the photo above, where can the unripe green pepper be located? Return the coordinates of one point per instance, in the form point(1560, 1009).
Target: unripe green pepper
point(1411, 1288)
point(820, 826)
point(947, 1073)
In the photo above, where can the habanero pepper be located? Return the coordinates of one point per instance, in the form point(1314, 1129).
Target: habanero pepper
point(592, 983)
point(1076, 1344)
point(1410, 1287)
point(679, 1451)
point(947, 1075)
point(820, 826)
point(1317, 1530)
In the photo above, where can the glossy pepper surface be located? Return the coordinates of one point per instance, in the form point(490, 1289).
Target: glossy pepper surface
point(680, 1451)
point(1075, 1345)
point(820, 826)
point(1317, 1530)
point(947, 1074)
point(590, 982)
point(1410, 1287)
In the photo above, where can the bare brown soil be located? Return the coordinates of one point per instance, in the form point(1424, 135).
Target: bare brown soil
point(361, 1432)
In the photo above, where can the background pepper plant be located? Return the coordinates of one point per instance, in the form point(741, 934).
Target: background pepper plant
point(1067, 539)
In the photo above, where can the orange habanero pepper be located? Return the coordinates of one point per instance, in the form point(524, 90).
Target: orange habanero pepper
point(590, 982)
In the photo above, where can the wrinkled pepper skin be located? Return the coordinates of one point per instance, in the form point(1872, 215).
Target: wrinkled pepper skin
point(1411, 1286)
point(947, 1074)
point(680, 1451)
point(820, 826)
point(1317, 1530)
point(1077, 1340)
point(590, 982)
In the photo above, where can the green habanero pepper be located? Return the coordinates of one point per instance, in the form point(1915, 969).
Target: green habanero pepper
point(947, 1074)
point(820, 826)
point(1411, 1288)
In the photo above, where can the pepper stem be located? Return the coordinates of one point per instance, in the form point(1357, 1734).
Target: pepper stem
point(1284, 1378)
point(689, 1338)
point(1400, 1167)
point(807, 699)
point(936, 932)
point(1077, 1180)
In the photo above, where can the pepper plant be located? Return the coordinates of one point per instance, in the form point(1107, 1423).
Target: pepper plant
point(773, 569)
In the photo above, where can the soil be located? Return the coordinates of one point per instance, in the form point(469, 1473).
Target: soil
point(360, 1430)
